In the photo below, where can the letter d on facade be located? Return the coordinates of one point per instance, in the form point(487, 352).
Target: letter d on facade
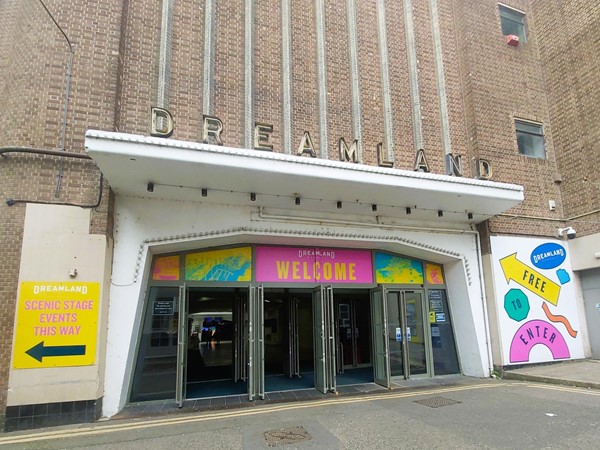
point(162, 123)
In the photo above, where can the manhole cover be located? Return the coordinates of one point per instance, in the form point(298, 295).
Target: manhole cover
point(436, 402)
point(286, 436)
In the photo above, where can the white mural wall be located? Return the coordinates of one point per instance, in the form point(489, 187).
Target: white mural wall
point(538, 318)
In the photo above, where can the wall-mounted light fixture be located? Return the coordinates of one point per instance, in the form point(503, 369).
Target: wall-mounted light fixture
point(440, 213)
point(470, 216)
point(252, 196)
point(373, 207)
point(408, 211)
point(339, 205)
point(297, 200)
point(204, 192)
point(150, 187)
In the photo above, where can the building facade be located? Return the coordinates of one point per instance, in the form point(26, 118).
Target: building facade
point(211, 198)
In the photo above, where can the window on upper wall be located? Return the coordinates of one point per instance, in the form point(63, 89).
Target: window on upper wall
point(513, 22)
point(530, 139)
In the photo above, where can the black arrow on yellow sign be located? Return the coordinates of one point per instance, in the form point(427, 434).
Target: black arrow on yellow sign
point(40, 351)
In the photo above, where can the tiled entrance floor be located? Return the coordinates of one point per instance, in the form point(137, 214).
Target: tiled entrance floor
point(143, 409)
point(162, 407)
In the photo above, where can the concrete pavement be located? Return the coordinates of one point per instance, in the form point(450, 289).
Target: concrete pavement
point(495, 414)
point(581, 373)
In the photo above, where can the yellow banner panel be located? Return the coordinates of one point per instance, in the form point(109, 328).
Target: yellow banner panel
point(233, 264)
point(57, 324)
point(166, 268)
point(434, 274)
point(395, 269)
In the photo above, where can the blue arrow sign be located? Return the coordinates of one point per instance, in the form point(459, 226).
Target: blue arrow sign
point(40, 351)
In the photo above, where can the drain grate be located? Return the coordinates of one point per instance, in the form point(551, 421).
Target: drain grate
point(436, 402)
point(285, 436)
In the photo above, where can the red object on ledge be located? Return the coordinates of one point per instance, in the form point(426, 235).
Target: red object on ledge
point(512, 40)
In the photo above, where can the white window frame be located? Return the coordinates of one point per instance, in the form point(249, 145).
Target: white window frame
point(523, 35)
point(541, 135)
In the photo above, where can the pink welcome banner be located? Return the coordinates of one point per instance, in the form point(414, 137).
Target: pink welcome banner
point(309, 264)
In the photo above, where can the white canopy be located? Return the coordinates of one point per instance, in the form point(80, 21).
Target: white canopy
point(181, 170)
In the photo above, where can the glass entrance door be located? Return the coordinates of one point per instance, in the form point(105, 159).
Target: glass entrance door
point(155, 372)
point(293, 347)
point(319, 339)
point(256, 335)
point(324, 339)
point(214, 330)
point(240, 349)
point(416, 340)
point(288, 339)
point(182, 342)
point(193, 345)
point(381, 350)
point(408, 335)
point(330, 366)
point(353, 330)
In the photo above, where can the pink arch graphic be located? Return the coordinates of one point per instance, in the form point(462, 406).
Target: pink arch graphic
point(537, 332)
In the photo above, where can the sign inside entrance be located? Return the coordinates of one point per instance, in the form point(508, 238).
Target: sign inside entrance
point(313, 265)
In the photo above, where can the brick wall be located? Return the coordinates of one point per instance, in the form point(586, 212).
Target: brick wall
point(570, 54)
point(502, 83)
point(404, 150)
point(33, 66)
point(138, 66)
point(229, 71)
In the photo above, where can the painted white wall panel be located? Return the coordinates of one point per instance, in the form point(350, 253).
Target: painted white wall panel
point(56, 239)
point(536, 302)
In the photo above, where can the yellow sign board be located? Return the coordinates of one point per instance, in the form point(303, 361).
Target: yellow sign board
point(530, 279)
point(57, 324)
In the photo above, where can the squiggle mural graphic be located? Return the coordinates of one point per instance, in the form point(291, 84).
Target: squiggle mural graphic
point(560, 319)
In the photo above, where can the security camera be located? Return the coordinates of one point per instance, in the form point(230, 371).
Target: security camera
point(569, 232)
